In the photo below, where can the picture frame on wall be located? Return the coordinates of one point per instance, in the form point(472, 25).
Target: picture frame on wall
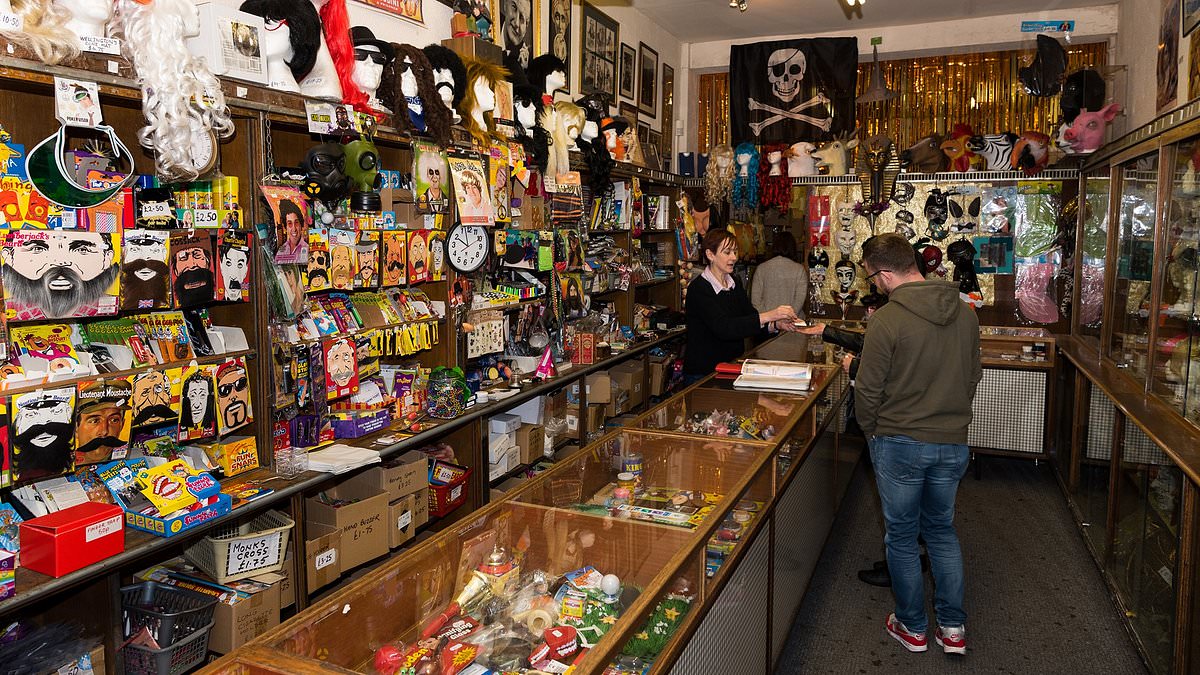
point(1191, 15)
point(559, 42)
point(643, 134)
point(628, 77)
point(647, 79)
point(520, 31)
point(668, 116)
point(599, 40)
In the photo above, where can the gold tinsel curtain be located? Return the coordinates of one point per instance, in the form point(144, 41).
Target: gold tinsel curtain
point(936, 92)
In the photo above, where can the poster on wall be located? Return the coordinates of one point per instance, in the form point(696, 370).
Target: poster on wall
point(784, 91)
point(471, 191)
point(600, 43)
point(413, 10)
point(519, 29)
point(1191, 15)
point(1168, 55)
point(560, 34)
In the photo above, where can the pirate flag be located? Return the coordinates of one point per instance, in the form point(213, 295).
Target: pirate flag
point(792, 90)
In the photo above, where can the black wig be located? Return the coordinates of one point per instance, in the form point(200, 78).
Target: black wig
point(437, 115)
point(541, 67)
point(304, 28)
point(595, 152)
point(444, 58)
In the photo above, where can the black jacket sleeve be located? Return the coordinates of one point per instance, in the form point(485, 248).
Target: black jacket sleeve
point(851, 341)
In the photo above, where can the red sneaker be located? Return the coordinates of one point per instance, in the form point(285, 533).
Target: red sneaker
point(951, 640)
point(913, 642)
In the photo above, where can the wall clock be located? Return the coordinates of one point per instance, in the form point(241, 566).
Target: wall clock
point(467, 247)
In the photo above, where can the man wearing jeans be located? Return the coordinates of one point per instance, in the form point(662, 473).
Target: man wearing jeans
point(916, 379)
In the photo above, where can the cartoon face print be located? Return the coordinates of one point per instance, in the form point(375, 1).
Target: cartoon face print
point(437, 256)
point(58, 272)
point(151, 401)
point(233, 394)
point(418, 253)
point(235, 271)
point(340, 363)
point(340, 267)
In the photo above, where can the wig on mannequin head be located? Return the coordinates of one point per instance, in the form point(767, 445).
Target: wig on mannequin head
point(568, 118)
point(335, 22)
point(537, 142)
point(173, 82)
point(44, 31)
point(490, 73)
point(776, 190)
point(437, 116)
point(444, 58)
point(745, 188)
point(541, 67)
point(304, 29)
point(718, 182)
point(595, 151)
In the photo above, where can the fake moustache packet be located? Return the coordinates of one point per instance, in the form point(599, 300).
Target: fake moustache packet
point(146, 493)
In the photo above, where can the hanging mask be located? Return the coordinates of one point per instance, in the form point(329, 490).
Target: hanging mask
point(362, 167)
point(1042, 77)
point(818, 264)
point(932, 257)
point(325, 178)
point(1082, 90)
point(845, 242)
point(845, 275)
point(936, 212)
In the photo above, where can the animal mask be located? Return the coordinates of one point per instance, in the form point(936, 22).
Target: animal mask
point(1086, 133)
point(925, 156)
point(833, 158)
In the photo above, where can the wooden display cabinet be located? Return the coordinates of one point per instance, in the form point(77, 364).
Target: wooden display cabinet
point(1011, 346)
point(768, 410)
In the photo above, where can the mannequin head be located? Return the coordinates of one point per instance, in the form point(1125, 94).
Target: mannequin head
point(45, 31)
point(371, 56)
point(480, 100)
point(528, 109)
point(548, 73)
point(335, 24)
point(566, 123)
point(293, 32)
point(745, 179)
point(153, 37)
point(409, 70)
point(88, 17)
point(449, 76)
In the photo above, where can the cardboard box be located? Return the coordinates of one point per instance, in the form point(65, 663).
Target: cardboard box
point(404, 475)
point(573, 418)
point(503, 423)
point(498, 466)
point(476, 48)
point(235, 625)
point(532, 411)
point(619, 402)
point(71, 539)
point(513, 455)
point(402, 526)
point(362, 523)
point(223, 32)
point(498, 444)
point(287, 586)
point(630, 376)
point(658, 378)
point(598, 387)
point(322, 556)
point(595, 418)
point(556, 405)
point(531, 439)
point(235, 454)
point(421, 507)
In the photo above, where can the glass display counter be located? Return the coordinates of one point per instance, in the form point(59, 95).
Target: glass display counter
point(1130, 343)
point(736, 414)
point(1008, 345)
point(614, 556)
point(1093, 249)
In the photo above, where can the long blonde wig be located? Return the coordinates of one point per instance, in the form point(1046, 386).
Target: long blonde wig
point(491, 74)
point(180, 96)
point(44, 30)
point(567, 117)
point(718, 182)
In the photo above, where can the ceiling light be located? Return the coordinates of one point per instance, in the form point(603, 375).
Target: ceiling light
point(733, 3)
point(743, 4)
point(851, 3)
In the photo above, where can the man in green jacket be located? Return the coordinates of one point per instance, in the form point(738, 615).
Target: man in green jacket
point(916, 380)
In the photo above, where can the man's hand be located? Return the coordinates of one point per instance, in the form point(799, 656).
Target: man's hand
point(814, 329)
point(846, 361)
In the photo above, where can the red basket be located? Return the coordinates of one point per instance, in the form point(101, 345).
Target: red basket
point(445, 498)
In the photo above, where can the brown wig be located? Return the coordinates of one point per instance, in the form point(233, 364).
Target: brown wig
point(493, 73)
point(714, 239)
point(437, 115)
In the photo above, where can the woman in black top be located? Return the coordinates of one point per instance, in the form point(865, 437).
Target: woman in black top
point(718, 322)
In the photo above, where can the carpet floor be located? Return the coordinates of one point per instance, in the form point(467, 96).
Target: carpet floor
point(1035, 600)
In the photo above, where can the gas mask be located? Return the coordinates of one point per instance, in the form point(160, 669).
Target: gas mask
point(325, 180)
point(362, 167)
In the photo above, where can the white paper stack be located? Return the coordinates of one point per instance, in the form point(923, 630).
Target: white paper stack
point(339, 458)
point(774, 376)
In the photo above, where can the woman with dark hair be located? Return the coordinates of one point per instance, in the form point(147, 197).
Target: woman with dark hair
point(781, 280)
point(719, 314)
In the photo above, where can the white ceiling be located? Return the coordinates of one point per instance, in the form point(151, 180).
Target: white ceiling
point(706, 20)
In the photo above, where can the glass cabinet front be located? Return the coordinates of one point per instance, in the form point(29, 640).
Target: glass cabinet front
point(1129, 346)
point(1093, 247)
point(1176, 375)
point(706, 411)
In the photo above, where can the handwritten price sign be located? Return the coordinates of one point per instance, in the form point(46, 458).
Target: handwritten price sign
point(252, 554)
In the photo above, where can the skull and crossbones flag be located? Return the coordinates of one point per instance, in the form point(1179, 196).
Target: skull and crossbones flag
point(787, 91)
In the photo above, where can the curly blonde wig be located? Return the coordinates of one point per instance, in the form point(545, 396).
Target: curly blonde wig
point(44, 31)
point(718, 183)
point(180, 95)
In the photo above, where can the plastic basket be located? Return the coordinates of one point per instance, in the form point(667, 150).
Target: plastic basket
point(171, 614)
point(174, 660)
point(259, 544)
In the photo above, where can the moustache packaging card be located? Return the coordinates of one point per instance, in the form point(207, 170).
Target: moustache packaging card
point(54, 274)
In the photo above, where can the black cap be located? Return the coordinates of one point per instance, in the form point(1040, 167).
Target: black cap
point(361, 35)
point(619, 123)
point(595, 105)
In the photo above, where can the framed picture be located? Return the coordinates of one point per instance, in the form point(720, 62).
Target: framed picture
point(1191, 15)
point(559, 43)
point(519, 30)
point(647, 79)
point(668, 116)
point(1168, 55)
point(655, 139)
point(643, 134)
point(629, 71)
point(599, 44)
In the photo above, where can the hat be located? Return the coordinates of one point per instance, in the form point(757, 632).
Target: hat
point(595, 105)
point(619, 123)
point(361, 35)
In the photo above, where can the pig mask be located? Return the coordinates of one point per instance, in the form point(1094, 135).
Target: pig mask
point(1086, 133)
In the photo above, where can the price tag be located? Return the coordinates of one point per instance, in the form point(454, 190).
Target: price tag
point(156, 209)
point(326, 558)
point(101, 45)
point(456, 493)
point(11, 22)
point(404, 520)
point(114, 67)
point(102, 529)
point(252, 554)
point(240, 92)
point(205, 218)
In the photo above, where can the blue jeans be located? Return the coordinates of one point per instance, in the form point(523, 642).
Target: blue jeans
point(917, 484)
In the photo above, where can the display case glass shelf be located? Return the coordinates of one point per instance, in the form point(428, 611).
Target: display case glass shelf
point(1130, 296)
point(1093, 249)
point(741, 415)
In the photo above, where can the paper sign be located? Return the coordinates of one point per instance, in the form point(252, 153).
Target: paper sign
point(102, 529)
point(404, 520)
point(11, 22)
point(101, 45)
point(326, 558)
point(77, 103)
point(1047, 26)
point(252, 554)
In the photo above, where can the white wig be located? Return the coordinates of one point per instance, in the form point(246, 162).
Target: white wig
point(180, 95)
point(45, 30)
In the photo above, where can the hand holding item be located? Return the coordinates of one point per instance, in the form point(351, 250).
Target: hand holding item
point(781, 312)
point(814, 329)
point(786, 326)
point(846, 361)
